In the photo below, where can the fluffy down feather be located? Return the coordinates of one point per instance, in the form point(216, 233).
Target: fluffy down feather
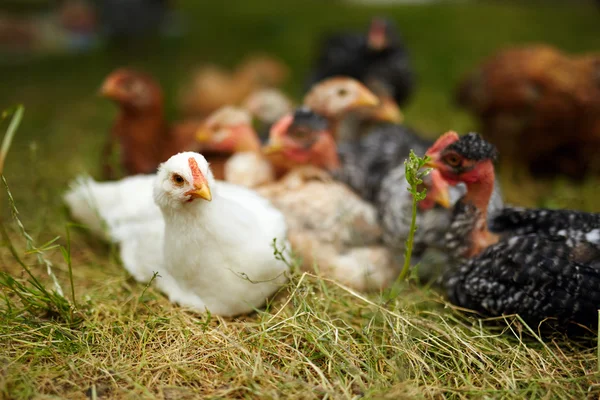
point(249, 169)
point(106, 206)
point(331, 227)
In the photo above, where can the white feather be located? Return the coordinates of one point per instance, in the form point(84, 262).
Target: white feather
point(105, 206)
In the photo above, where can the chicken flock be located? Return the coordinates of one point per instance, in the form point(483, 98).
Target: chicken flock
point(213, 208)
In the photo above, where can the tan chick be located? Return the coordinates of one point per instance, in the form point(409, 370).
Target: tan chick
point(329, 226)
point(213, 87)
point(364, 120)
point(341, 97)
point(144, 136)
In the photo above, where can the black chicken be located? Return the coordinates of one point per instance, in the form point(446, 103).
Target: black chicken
point(376, 59)
point(540, 264)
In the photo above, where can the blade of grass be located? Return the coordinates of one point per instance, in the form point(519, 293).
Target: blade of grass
point(10, 133)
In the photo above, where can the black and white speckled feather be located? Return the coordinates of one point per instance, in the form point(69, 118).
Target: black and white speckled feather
point(575, 226)
point(458, 236)
point(537, 277)
point(473, 147)
point(365, 163)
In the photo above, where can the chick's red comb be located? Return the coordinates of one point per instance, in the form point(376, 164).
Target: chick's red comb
point(442, 142)
point(280, 127)
point(196, 173)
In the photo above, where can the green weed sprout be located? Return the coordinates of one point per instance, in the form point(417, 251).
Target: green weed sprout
point(414, 173)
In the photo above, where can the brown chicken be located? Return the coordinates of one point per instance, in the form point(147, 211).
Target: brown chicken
point(212, 87)
point(350, 107)
point(233, 149)
point(540, 107)
point(144, 136)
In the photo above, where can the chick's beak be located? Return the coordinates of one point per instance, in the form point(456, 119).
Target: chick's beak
point(433, 160)
point(200, 191)
point(108, 88)
point(433, 164)
point(389, 112)
point(203, 134)
point(272, 147)
point(366, 98)
point(439, 191)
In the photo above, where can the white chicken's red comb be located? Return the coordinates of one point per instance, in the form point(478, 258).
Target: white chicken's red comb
point(196, 173)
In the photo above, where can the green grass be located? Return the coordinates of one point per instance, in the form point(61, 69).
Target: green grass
point(317, 340)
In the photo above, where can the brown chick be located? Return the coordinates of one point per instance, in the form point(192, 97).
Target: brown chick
point(231, 146)
point(335, 98)
point(329, 226)
point(141, 130)
point(212, 87)
point(540, 107)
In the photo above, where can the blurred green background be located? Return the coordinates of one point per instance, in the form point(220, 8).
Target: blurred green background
point(66, 122)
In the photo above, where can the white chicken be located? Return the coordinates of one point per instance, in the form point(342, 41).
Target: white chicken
point(218, 249)
point(211, 242)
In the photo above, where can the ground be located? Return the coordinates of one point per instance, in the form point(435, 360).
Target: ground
point(317, 339)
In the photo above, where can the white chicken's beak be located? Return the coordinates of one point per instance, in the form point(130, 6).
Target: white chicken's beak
point(201, 191)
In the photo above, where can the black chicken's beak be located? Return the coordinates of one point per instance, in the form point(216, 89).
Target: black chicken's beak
point(433, 164)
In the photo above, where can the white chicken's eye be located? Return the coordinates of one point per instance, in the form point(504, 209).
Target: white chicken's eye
point(177, 179)
point(342, 92)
